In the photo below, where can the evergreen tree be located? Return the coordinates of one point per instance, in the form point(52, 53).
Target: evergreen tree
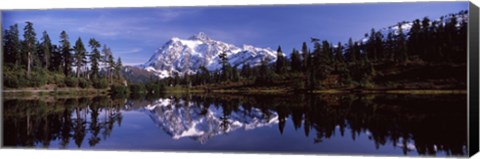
point(305, 54)
point(186, 79)
point(414, 38)
point(29, 45)
point(80, 56)
point(390, 46)
point(339, 60)
point(107, 61)
point(462, 39)
point(401, 50)
point(235, 74)
point(205, 75)
point(280, 67)
point(11, 46)
point(56, 60)
point(379, 46)
point(226, 68)
point(94, 57)
point(67, 57)
point(118, 69)
point(339, 53)
point(246, 71)
point(325, 61)
point(176, 80)
point(264, 73)
point(351, 52)
point(370, 45)
point(111, 66)
point(425, 39)
point(46, 49)
point(296, 62)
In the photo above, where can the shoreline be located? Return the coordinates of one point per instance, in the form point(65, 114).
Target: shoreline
point(89, 92)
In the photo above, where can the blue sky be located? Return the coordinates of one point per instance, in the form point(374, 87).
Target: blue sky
point(135, 33)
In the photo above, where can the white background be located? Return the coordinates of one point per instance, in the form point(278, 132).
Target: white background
point(74, 154)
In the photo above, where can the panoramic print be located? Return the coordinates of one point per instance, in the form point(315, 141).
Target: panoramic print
point(362, 79)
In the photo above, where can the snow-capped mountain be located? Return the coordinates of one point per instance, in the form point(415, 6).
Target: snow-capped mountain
point(184, 120)
point(187, 55)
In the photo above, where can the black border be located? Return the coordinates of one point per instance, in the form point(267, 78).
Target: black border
point(473, 136)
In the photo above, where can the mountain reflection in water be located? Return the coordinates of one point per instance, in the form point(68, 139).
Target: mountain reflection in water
point(416, 124)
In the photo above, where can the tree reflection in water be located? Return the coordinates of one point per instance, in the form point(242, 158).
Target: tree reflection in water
point(425, 124)
point(29, 123)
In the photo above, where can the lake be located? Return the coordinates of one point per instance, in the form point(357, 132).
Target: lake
point(360, 124)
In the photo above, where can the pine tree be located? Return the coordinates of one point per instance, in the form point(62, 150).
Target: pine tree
point(67, 56)
point(111, 66)
point(29, 45)
point(264, 73)
point(108, 62)
point(11, 45)
point(462, 39)
point(46, 46)
point(305, 54)
point(280, 67)
point(186, 79)
point(350, 53)
point(370, 46)
point(327, 52)
point(379, 46)
point(425, 39)
point(401, 50)
point(339, 53)
point(205, 75)
point(325, 61)
point(56, 60)
point(176, 80)
point(296, 62)
point(390, 47)
point(118, 69)
point(356, 52)
point(226, 70)
point(235, 74)
point(339, 60)
point(414, 38)
point(94, 57)
point(80, 56)
point(246, 71)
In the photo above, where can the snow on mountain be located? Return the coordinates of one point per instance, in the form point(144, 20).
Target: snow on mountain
point(180, 119)
point(187, 55)
point(407, 25)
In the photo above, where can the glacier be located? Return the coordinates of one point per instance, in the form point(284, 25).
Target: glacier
point(180, 56)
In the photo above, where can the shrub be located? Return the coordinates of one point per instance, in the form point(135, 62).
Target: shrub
point(83, 83)
point(10, 80)
point(137, 88)
point(119, 90)
point(298, 85)
point(155, 88)
point(100, 83)
point(71, 82)
point(59, 80)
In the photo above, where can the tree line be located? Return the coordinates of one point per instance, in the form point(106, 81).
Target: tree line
point(350, 65)
point(30, 62)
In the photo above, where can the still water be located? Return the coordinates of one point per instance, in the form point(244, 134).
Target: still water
point(433, 125)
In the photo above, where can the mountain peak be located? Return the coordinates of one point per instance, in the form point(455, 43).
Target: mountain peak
point(199, 36)
point(179, 56)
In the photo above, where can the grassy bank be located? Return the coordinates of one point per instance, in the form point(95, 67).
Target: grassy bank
point(276, 90)
point(75, 92)
point(69, 92)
